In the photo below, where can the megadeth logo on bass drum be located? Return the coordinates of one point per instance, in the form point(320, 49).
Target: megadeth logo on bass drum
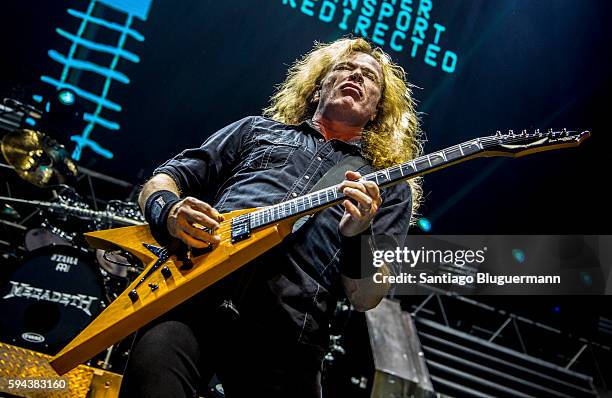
point(80, 301)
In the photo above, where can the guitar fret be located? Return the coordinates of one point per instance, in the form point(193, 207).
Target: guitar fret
point(417, 166)
point(451, 153)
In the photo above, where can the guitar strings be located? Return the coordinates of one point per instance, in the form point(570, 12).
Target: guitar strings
point(225, 226)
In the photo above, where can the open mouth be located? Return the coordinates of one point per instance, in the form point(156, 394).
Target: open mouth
point(352, 88)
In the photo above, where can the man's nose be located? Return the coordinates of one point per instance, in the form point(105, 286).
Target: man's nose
point(356, 76)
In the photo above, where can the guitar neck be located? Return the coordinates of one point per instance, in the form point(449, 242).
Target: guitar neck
point(317, 200)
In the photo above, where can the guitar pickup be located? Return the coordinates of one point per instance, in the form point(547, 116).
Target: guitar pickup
point(241, 228)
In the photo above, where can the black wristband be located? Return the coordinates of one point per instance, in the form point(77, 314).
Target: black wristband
point(353, 253)
point(156, 211)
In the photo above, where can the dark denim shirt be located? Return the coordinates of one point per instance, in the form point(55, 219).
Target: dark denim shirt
point(256, 162)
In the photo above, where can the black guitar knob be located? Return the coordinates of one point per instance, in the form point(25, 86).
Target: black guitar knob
point(133, 295)
point(166, 272)
point(153, 286)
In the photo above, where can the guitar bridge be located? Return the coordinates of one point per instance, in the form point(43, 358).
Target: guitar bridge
point(241, 228)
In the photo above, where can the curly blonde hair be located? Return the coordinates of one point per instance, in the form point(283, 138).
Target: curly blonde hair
point(393, 137)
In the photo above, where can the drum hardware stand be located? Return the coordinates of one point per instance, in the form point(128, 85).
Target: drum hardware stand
point(13, 114)
point(14, 225)
point(74, 210)
point(90, 175)
point(93, 193)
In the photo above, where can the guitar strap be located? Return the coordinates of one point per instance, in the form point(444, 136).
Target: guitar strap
point(334, 176)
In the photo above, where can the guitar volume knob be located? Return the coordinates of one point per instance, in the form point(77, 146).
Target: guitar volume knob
point(133, 295)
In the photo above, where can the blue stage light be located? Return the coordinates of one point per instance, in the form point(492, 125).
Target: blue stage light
point(557, 309)
point(66, 97)
point(424, 224)
point(586, 278)
point(518, 255)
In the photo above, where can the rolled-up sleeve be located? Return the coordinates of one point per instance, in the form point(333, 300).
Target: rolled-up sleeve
point(195, 169)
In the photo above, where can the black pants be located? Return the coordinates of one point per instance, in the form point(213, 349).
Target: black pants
point(177, 355)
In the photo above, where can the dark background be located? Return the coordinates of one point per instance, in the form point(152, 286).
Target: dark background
point(521, 64)
point(205, 64)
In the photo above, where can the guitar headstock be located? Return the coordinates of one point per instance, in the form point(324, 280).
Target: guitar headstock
point(523, 143)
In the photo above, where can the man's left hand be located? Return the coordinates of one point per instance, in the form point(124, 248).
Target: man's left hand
point(357, 218)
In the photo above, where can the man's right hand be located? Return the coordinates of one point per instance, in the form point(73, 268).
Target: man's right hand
point(187, 218)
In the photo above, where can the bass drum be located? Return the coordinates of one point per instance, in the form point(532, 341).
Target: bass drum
point(49, 298)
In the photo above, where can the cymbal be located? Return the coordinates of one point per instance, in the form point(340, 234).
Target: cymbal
point(21, 147)
point(37, 158)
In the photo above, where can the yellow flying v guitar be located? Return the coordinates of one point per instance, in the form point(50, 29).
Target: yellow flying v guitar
point(168, 279)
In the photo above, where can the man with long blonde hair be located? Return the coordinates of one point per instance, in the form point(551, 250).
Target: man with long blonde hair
point(264, 329)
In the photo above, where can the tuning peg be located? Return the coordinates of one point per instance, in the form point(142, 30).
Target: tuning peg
point(511, 133)
point(537, 132)
point(524, 133)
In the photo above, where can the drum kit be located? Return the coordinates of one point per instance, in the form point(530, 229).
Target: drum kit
point(51, 283)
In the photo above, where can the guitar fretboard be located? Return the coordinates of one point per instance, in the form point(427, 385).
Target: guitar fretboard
point(383, 178)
